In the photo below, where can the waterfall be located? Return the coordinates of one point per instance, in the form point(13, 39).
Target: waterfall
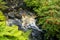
point(26, 23)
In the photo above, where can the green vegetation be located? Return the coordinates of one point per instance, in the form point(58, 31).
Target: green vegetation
point(2, 17)
point(12, 33)
point(2, 5)
point(48, 13)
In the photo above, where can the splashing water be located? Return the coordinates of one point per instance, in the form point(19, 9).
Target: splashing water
point(25, 23)
point(29, 22)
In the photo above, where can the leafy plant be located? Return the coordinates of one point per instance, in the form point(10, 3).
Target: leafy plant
point(48, 13)
point(3, 5)
point(12, 33)
point(2, 17)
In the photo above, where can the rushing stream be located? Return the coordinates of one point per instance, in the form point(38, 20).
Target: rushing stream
point(25, 23)
point(24, 19)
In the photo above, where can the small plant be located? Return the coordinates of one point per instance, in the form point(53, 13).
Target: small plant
point(3, 5)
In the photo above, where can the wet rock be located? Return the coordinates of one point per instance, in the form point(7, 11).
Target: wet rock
point(11, 22)
point(14, 3)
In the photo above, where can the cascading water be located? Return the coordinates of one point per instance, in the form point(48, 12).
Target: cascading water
point(25, 23)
